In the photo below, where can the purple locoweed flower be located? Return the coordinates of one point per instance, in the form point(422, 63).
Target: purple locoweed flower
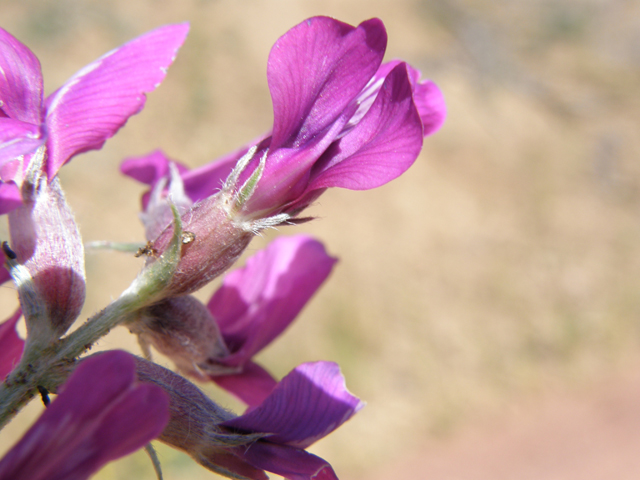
point(11, 345)
point(101, 413)
point(341, 119)
point(306, 405)
point(251, 308)
point(87, 110)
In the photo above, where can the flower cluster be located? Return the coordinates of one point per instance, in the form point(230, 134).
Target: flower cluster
point(342, 118)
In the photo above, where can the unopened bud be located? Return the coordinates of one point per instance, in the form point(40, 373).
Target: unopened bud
point(183, 329)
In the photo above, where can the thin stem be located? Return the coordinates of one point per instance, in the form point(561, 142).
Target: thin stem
point(50, 366)
point(153, 455)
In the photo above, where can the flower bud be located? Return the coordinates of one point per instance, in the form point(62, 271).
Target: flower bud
point(46, 241)
point(183, 329)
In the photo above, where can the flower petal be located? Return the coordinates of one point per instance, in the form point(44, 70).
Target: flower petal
point(10, 197)
point(204, 181)
point(382, 146)
point(256, 303)
point(289, 462)
point(101, 414)
point(307, 404)
point(149, 168)
point(11, 345)
point(230, 464)
point(315, 70)
point(253, 385)
point(429, 102)
point(93, 104)
point(17, 138)
point(199, 183)
point(20, 81)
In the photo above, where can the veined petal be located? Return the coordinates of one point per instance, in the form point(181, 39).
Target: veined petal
point(256, 303)
point(253, 385)
point(17, 138)
point(314, 72)
point(429, 102)
point(11, 345)
point(101, 413)
point(289, 462)
point(94, 103)
point(10, 197)
point(382, 146)
point(308, 404)
point(20, 81)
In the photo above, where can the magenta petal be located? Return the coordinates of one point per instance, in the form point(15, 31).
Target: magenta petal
point(315, 70)
point(426, 95)
point(256, 303)
point(11, 345)
point(93, 104)
point(431, 107)
point(429, 102)
point(101, 414)
point(253, 385)
point(382, 146)
point(10, 197)
point(206, 180)
point(307, 404)
point(17, 138)
point(20, 81)
point(289, 462)
point(149, 168)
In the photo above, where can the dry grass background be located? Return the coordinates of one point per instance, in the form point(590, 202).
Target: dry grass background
point(504, 263)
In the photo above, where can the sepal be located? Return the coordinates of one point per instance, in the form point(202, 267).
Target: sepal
point(183, 329)
point(48, 267)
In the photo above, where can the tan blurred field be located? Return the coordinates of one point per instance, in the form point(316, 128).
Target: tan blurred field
point(505, 264)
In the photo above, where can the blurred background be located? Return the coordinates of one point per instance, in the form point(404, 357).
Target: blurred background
point(486, 304)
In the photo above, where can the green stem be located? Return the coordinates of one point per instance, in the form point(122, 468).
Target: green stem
point(51, 366)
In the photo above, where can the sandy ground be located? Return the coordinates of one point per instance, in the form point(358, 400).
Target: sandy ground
point(586, 435)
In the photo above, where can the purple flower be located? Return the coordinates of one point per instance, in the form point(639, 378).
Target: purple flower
point(252, 307)
point(11, 345)
point(341, 119)
point(306, 405)
point(101, 413)
point(257, 303)
point(88, 109)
